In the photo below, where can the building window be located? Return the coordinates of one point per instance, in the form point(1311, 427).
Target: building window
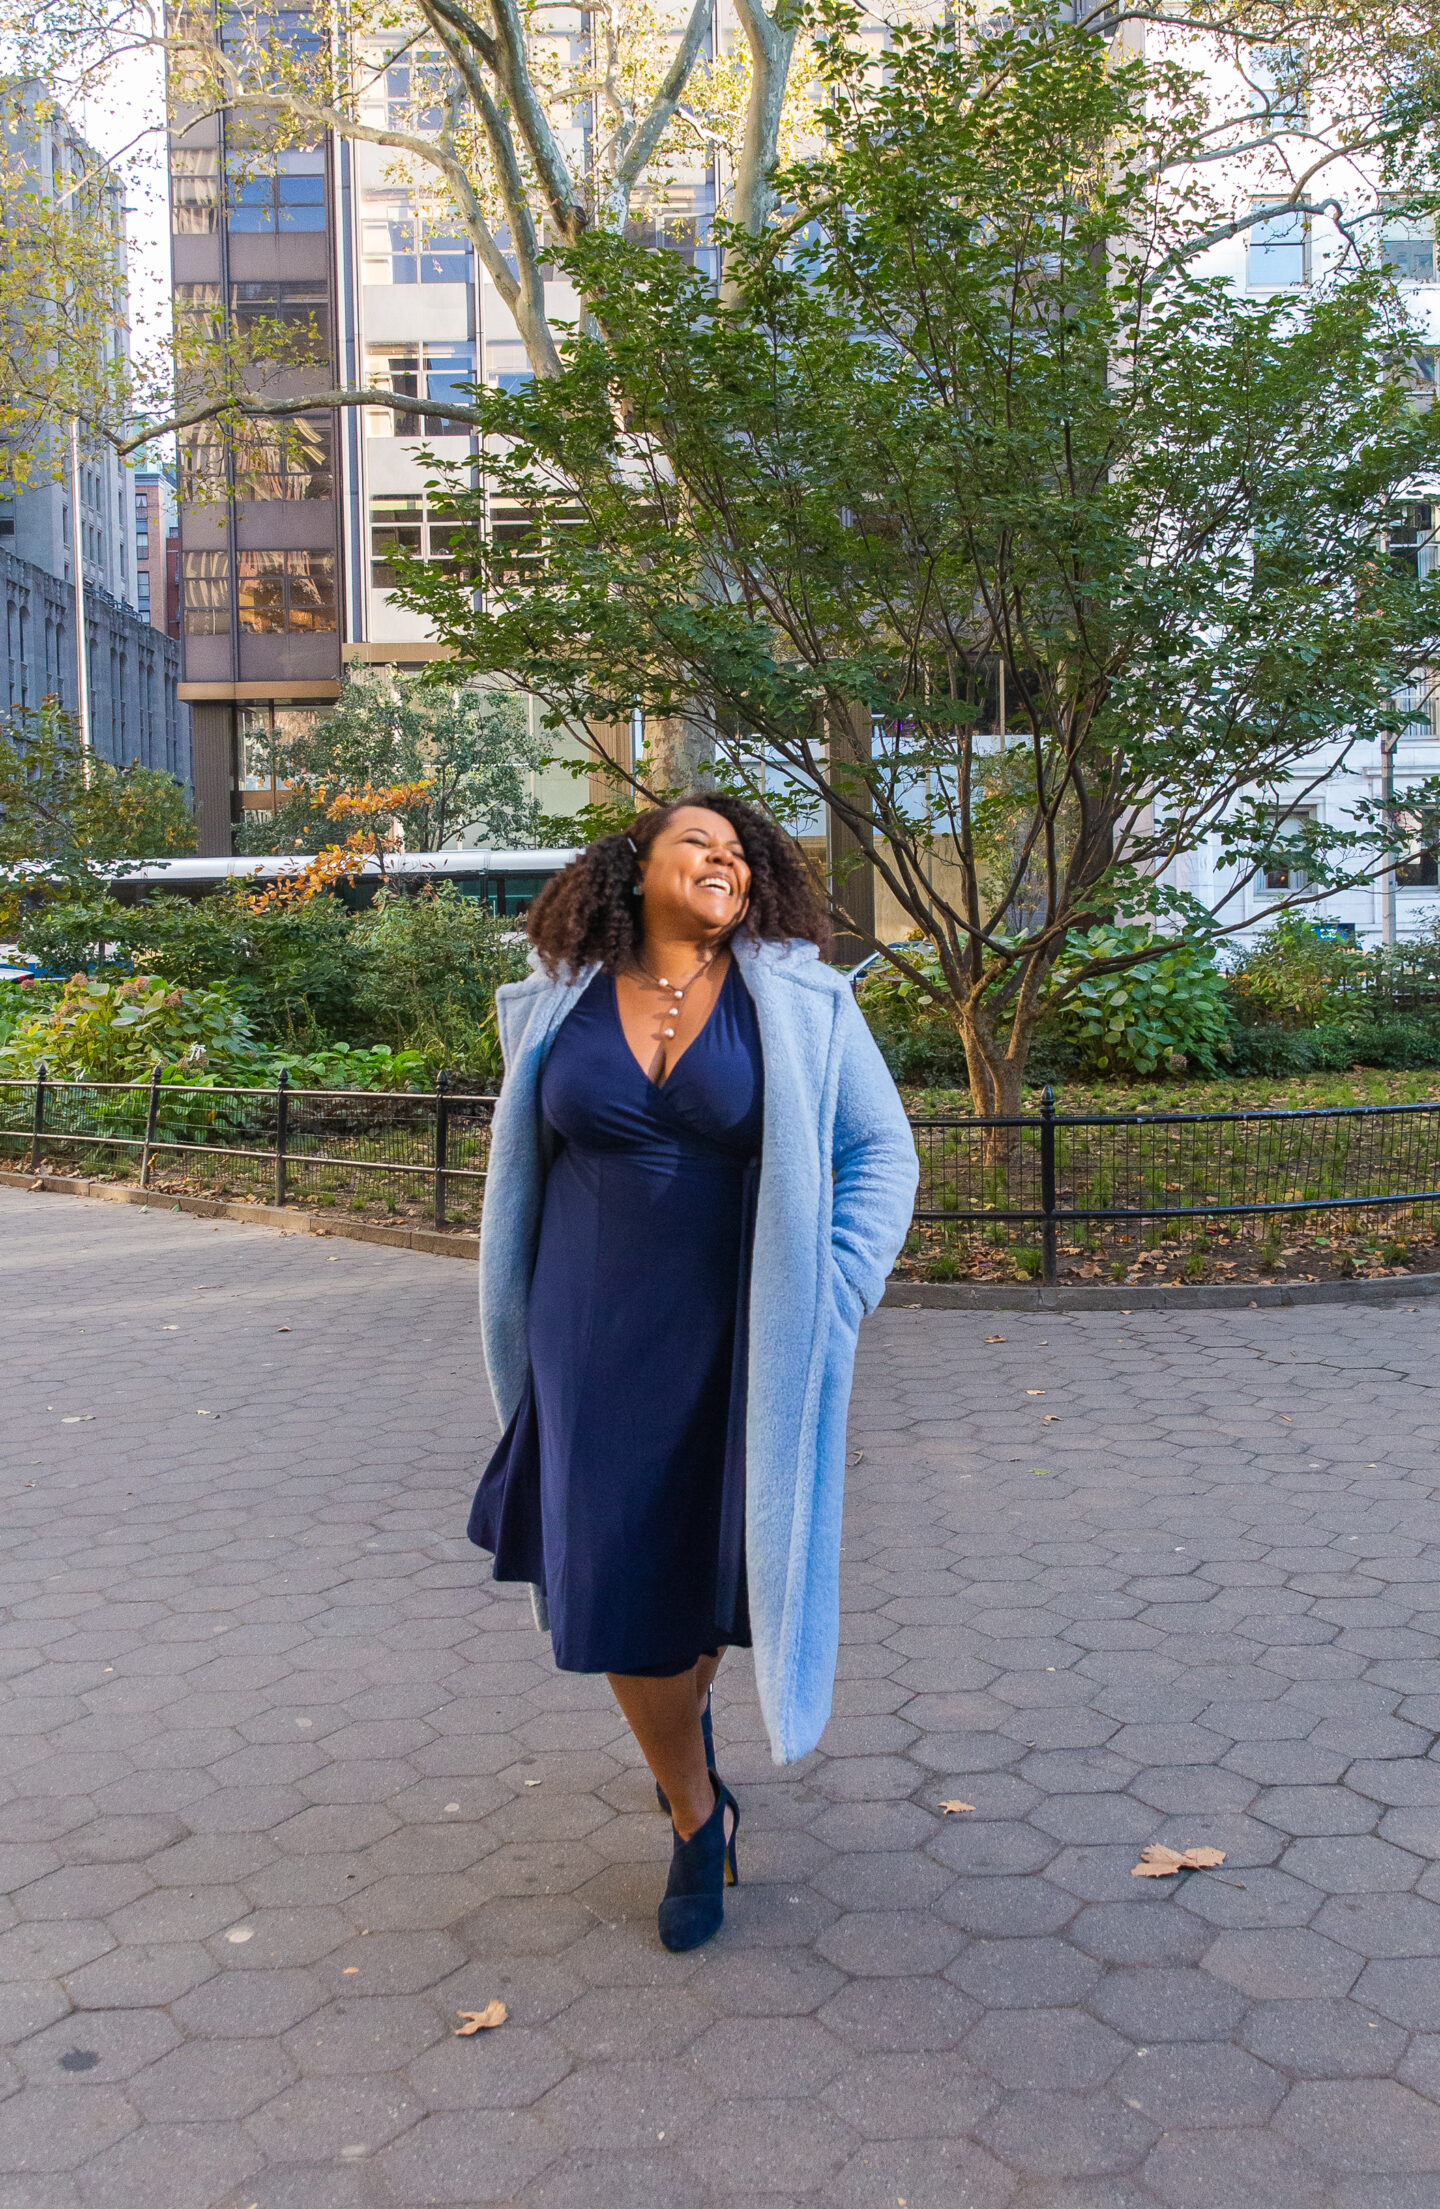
point(287, 593)
point(397, 524)
point(294, 311)
point(201, 308)
point(142, 545)
point(288, 196)
point(1407, 243)
point(405, 250)
point(1416, 869)
point(271, 460)
point(401, 521)
point(1282, 873)
point(205, 588)
point(142, 592)
point(1420, 700)
point(7, 518)
point(286, 460)
point(266, 736)
point(411, 93)
point(1280, 75)
point(194, 189)
point(1410, 537)
point(1279, 249)
point(448, 372)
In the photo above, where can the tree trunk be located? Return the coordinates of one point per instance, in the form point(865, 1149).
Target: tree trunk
point(852, 877)
point(997, 1074)
point(678, 753)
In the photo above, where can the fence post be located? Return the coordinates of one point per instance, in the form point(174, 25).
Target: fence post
point(37, 1133)
point(151, 1110)
point(442, 1140)
point(282, 1131)
point(1049, 1270)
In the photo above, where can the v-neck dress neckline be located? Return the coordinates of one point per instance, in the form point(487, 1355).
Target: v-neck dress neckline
point(699, 1032)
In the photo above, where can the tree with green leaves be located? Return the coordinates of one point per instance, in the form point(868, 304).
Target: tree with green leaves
point(470, 745)
point(979, 515)
point(65, 815)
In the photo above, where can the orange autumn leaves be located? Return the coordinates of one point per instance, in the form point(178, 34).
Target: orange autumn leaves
point(342, 862)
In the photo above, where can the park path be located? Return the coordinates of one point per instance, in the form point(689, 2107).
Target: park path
point(285, 1784)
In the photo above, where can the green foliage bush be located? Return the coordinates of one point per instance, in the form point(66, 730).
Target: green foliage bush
point(1135, 1020)
point(1312, 1004)
point(295, 973)
point(917, 1039)
point(378, 999)
point(98, 1030)
point(430, 966)
point(1292, 978)
point(1130, 1022)
point(70, 815)
point(1270, 1051)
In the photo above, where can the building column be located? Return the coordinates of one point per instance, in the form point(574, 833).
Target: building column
point(215, 772)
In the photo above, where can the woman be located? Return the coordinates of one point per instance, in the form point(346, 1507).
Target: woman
point(700, 1173)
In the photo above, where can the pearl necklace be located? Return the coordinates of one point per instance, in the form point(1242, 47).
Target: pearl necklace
point(679, 990)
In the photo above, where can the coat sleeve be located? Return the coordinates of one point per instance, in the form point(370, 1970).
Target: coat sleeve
point(874, 1161)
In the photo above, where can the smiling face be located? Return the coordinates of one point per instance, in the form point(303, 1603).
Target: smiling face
point(694, 878)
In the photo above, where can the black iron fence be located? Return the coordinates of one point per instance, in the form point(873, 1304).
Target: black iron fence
point(1049, 1170)
point(372, 1149)
point(1036, 1174)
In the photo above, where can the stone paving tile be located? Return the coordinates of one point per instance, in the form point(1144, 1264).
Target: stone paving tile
point(285, 1782)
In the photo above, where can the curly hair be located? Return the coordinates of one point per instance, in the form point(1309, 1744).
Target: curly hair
point(589, 912)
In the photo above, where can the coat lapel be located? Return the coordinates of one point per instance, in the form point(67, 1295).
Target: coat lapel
point(528, 1015)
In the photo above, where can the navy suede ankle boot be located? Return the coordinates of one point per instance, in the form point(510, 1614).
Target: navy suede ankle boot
point(694, 1906)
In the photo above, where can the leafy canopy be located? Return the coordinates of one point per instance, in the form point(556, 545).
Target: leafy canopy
point(470, 748)
point(69, 815)
point(978, 453)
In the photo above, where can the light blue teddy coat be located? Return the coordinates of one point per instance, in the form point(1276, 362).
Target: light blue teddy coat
point(837, 1183)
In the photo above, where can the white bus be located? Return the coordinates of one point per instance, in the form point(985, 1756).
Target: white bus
point(506, 881)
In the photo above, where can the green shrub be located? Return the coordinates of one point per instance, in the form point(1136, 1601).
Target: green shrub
point(1271, 1052)
point(1131, 1022)
point(1405, 977)
point(1292, 978)
point(1134, 1020)
point(381, 998)
point(1398, 1042)
point(294, 973)
point(429, 969)
point(120, 1031)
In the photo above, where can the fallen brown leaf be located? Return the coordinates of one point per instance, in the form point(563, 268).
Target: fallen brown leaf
point(480, 2021)
point(950, 1808)
point(997, 1338)
point(1159, 1862)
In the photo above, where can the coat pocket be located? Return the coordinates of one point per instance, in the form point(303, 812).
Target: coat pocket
point(846, 1298)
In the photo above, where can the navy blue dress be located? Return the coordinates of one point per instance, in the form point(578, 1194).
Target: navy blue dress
point(619, 1485)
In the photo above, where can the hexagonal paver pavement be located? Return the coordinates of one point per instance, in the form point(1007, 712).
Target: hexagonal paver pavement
point(286, 1783)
